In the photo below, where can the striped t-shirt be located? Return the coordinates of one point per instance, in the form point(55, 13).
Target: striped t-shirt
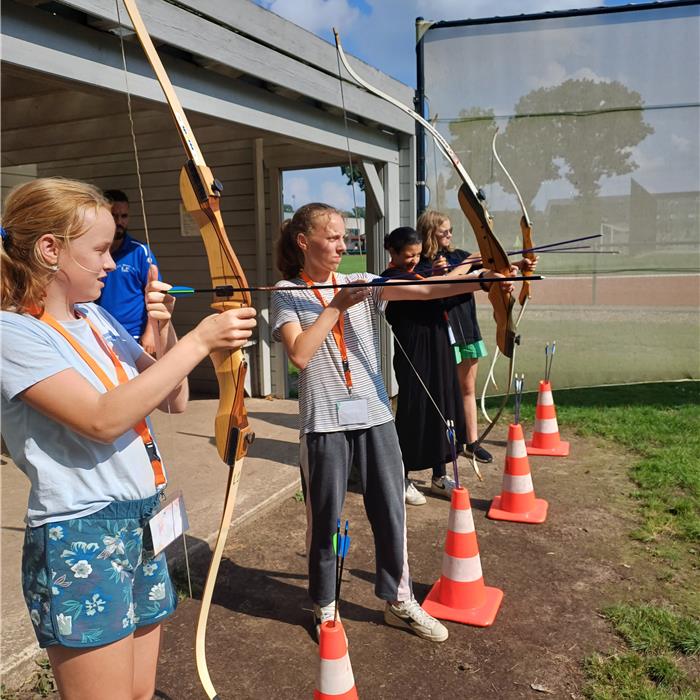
point(322, 382)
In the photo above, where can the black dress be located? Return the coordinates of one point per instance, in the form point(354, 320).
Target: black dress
point(421, 330)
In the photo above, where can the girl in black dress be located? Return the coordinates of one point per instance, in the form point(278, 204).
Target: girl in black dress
point(421, 331)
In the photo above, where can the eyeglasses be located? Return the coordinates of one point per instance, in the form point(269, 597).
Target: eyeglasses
point(444, 232)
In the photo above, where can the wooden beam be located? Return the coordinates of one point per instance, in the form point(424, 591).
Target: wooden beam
point(198, 35)
point(48, 44)
point(261, 258)
point(374, 189)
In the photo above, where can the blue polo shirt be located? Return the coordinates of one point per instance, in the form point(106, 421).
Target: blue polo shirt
point(122, 295)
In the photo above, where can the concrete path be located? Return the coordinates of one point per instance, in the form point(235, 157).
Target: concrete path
point(270, 473)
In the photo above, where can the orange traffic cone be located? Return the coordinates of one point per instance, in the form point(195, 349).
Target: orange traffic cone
point(545, 439)
point(335, 679)
point(460, 594)
point(517, 501)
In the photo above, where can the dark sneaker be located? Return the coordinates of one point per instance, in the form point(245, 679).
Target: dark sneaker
point(472, 450)
point(409, 615)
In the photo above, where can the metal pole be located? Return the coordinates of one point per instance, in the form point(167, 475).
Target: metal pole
point(419, 106)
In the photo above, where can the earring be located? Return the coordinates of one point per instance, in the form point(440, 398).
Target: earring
point(53, 268)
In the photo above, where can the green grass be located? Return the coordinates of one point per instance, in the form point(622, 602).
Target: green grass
point(600, 345)
point(659, 424)
point(353, 263)
point(635, 677)
point(653, 630)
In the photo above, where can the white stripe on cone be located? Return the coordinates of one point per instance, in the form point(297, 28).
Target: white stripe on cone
point(516, 448)
point(546, 425)
point(545, 398)
point(461, 521)
point(517, 484)
point(461, 569)
point(335, 676)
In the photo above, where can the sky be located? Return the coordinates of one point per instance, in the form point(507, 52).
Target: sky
point(382, 33)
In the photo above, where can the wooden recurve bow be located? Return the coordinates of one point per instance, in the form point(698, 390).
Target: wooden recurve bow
point(201, 196)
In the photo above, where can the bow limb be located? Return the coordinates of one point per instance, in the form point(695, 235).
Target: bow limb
point(525, 229)
point(490, 379)
point(523, 298)
point(201, 196)
point(492, 253)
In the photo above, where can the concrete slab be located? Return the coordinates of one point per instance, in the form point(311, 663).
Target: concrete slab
point(186, 441)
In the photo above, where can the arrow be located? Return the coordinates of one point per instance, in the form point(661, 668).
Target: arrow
point(228, 290)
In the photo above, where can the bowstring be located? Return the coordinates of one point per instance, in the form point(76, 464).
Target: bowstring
point(142, 201)
point(353, 184)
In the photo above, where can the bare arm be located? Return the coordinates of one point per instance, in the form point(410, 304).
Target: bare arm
point(470, 283)
point(148, 339)
point(176, 401)
point(69, 398)
point(301, 345)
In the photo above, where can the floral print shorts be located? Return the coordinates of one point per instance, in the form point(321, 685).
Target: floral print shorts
point(89, 582)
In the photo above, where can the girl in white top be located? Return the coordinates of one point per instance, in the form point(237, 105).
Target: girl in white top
point(95, 595)
point(331, 335)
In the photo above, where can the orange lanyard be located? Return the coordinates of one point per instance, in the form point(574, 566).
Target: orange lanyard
point(141, 427)
point(338, 329)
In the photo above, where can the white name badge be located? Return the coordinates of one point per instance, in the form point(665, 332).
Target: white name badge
point(168, 524)
point(352, 411)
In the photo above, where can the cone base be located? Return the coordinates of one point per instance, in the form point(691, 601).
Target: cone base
point(536, 515)
point(482, 616)
point(350, 695)
point(560, 450)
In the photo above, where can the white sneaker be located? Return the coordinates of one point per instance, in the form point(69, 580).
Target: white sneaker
point(409, 615)
point(322, 614)
point(413, 496)
point(443, 486)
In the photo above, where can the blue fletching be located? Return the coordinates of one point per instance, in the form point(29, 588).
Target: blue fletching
point(344, 545)
point(180, 291)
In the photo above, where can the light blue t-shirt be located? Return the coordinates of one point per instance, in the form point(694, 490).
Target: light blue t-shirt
point(70, 475)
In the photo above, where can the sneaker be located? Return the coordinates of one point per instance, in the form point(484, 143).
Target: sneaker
point(442, 486)
point(472, 450)
point(413, 496)
point(409, 615)
point(322, 614)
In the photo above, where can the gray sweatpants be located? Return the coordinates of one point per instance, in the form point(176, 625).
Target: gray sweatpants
point(326, 459)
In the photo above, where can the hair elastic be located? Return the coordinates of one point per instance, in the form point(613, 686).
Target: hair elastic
point(4, 233)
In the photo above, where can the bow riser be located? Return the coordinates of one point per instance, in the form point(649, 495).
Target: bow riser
point(232, 432)
point(201, 194)
point(202, 202)
point(494, 258)
point(231, 429)
point(526, 230)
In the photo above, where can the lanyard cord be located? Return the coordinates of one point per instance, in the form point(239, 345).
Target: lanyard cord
point(338, 330)
point(141, 428)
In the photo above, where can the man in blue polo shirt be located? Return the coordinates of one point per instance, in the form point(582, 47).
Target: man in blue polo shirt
point(123, 293)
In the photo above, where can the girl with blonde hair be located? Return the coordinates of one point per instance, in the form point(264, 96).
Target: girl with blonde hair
point(76, 393)
point(442, 258)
